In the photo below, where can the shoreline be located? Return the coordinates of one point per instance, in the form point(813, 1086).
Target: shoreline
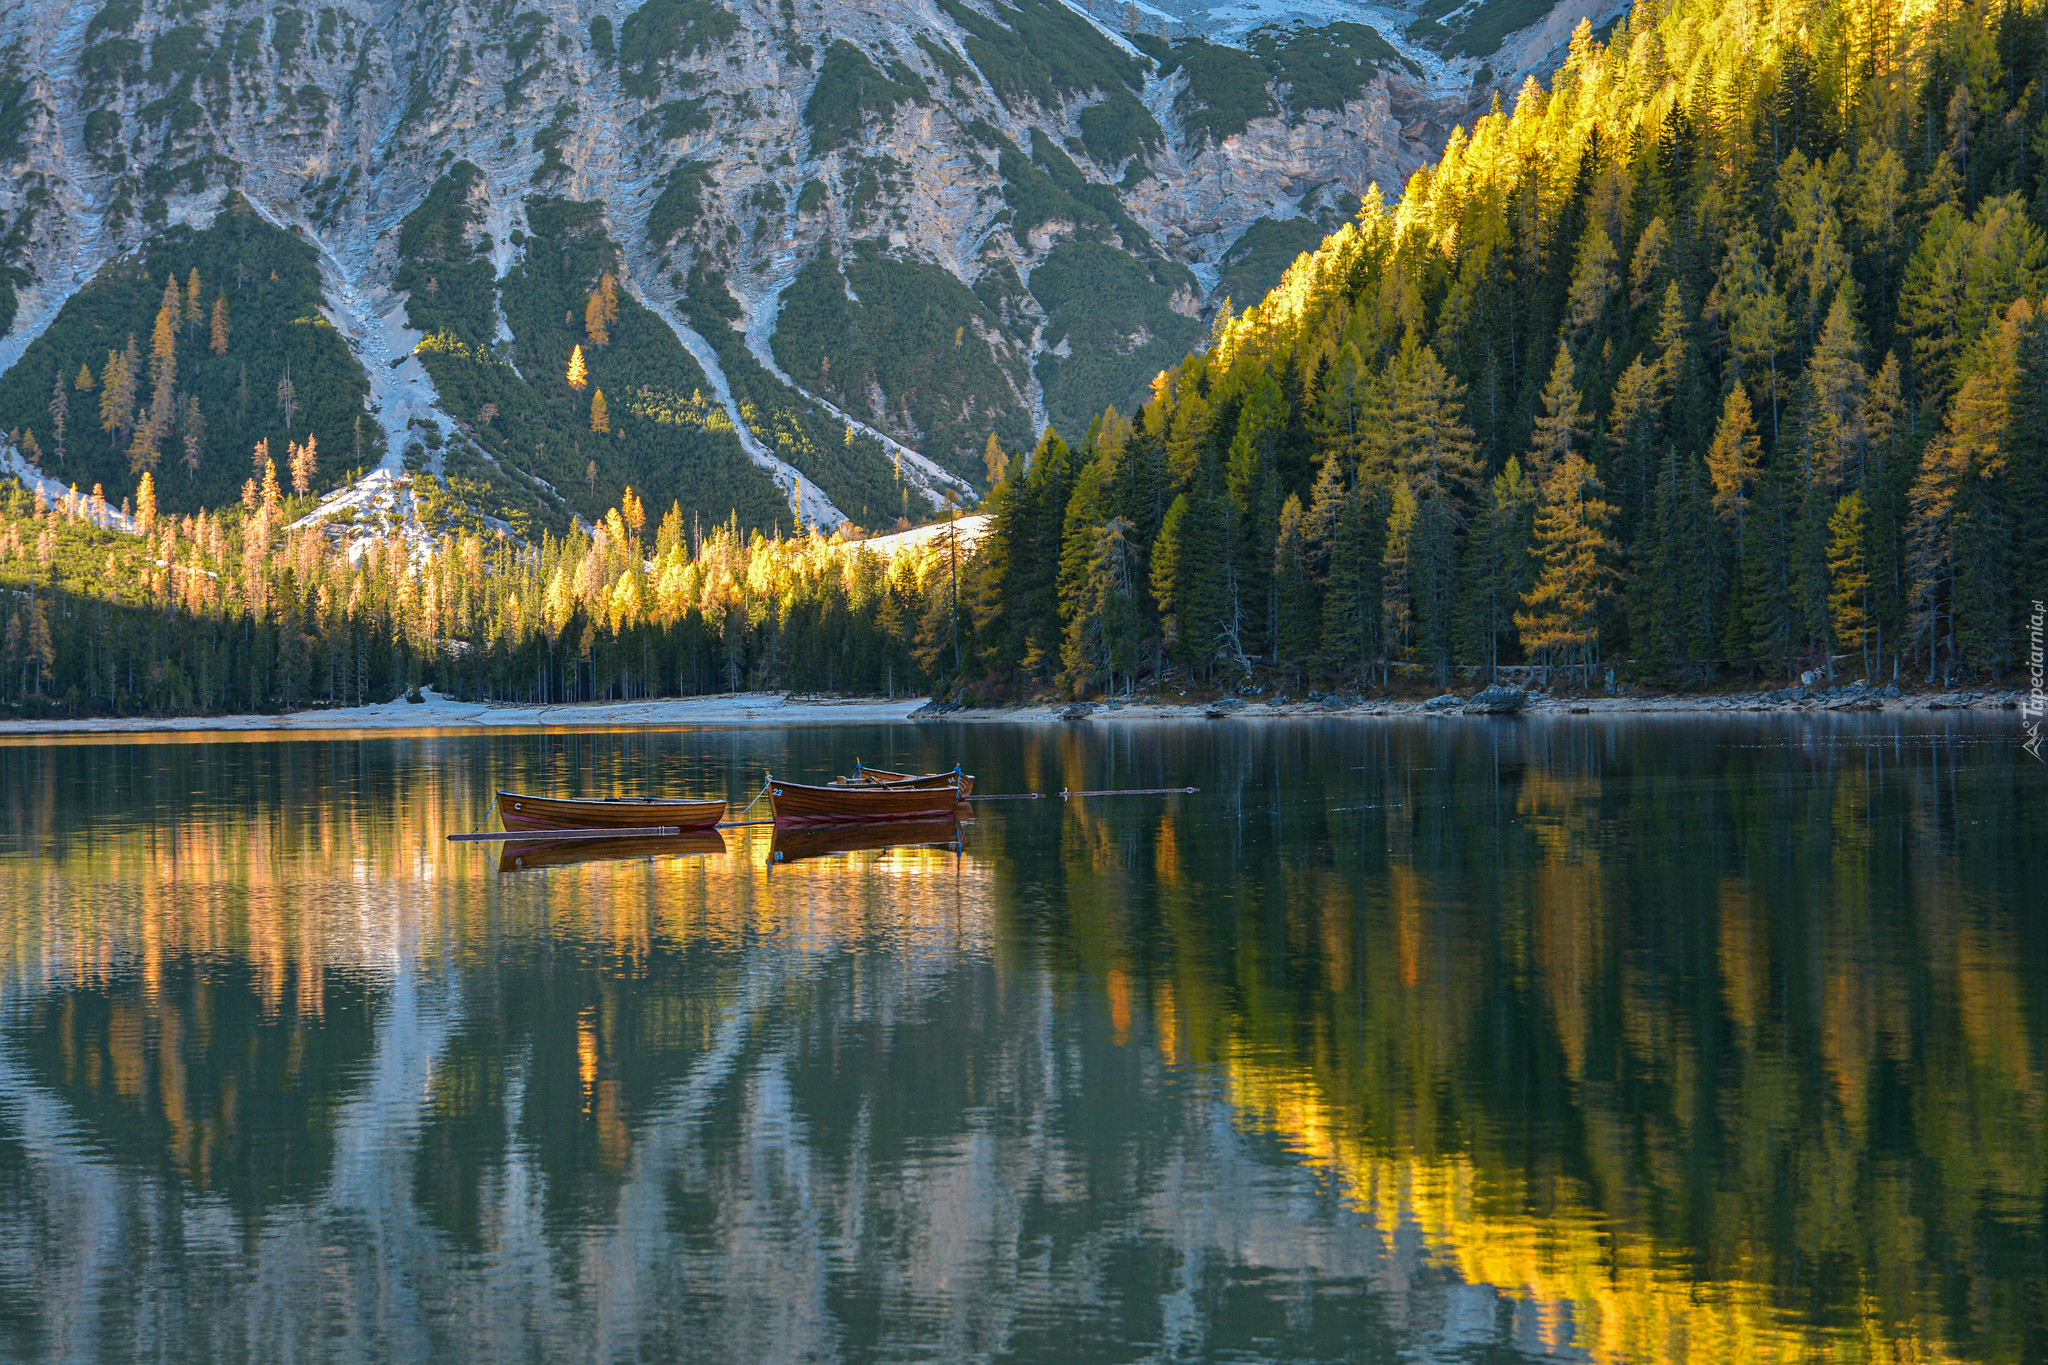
point(764, 709)
point(1848, 700)
point(436, 712)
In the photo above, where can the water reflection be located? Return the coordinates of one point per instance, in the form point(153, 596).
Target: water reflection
point(1657, 1042)
point(795, 844)
point(530, 855)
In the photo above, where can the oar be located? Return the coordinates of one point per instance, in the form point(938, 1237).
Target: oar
point(1125, 791)
point(549, 836)
point(1135, 791)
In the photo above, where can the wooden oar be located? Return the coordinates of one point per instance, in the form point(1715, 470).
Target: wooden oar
point(1135, 791)
point(1126, 791)
point(550, 836)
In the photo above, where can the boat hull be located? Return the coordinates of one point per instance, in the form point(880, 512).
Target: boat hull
point(517, 810)
point(795, 803)
point(882, 777)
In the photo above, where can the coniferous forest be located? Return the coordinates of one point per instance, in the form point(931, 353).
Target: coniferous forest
point(1721, 359)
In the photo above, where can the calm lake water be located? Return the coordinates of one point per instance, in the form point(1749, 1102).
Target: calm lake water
point(1657, 1040)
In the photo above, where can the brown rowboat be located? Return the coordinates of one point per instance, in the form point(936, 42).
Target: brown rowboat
point(796, 803)
point(517, 810)
point(695, 843)
point(881, 777)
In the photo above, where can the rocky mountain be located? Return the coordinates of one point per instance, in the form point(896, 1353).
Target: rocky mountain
point(751, 256)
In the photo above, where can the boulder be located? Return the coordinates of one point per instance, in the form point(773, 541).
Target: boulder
point(1497, 700)
point(1223, 706)
point(1080, 710)
point(1449, 701)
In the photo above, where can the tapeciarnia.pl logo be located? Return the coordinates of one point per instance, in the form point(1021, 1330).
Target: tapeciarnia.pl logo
point(2037, 700)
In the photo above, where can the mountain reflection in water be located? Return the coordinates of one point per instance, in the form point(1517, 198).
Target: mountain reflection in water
point(1664, 1041)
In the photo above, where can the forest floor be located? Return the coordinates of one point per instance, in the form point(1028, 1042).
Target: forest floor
point(744, 709)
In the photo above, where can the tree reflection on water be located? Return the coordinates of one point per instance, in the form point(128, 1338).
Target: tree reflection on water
point(1653, 1042)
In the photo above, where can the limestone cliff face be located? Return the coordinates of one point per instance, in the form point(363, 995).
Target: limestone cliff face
point(878, 140)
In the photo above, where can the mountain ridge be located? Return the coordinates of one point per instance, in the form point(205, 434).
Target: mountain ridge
point(128, 118)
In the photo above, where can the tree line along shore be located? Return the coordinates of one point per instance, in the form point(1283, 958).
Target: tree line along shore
point(1719, 364)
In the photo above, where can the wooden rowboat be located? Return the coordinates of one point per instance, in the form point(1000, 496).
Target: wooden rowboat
point(795, 803)
point(517, 810)
point(863, 776)
point(794, 844)
point(694, 843)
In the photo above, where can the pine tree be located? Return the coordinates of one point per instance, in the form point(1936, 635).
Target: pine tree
point(1576, 576)
point(579, 374)
point(1344, 410)
point(218, 341)
point(1955, 546)
point(1635, 436)
point(60, 414)
point(195, 437)
point(1674, 597)
point(993, 457)
point(600, 412)
point(1353, 591)
point(117, 393)
point(1433, 586)
point(601, 310)
point(1561, 427)
point(1192, 579)
point(146, 449)
point(1187, 439)
point(1887, 473)
point(1835, 435)
point(1253, 478)
point(145, 504)
point(1295, 639)
point(1848, 577)
point(1762, 633)
point(2026, 481)
point(194, 313)
point(1497, 567)
point(1431, 446)
point(1593, 281)
point(1747, 301)
point(304, 464)
point(1733, 460)
point(84, 382)
point(1397, 605)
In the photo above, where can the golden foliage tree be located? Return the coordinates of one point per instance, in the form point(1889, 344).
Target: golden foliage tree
point(1733, 458)
point(304, 462)
point(601, 310)
point(579, 373)
point(117, 393)
point(1849, 577)
point(600, 412)
point(1562, 620)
